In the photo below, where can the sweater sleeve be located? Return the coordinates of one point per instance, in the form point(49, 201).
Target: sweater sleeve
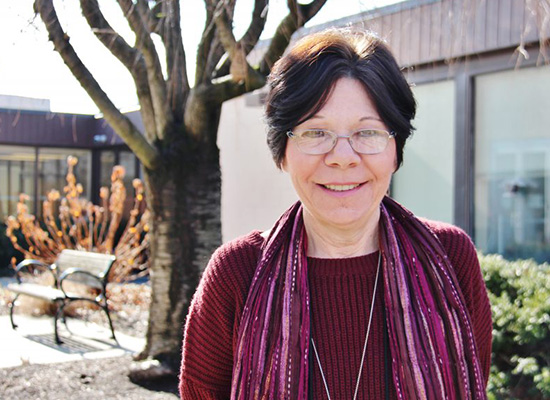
point(463, 256)
point(212, 321)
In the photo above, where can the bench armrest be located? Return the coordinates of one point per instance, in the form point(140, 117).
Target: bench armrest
point(25, 264)
point(89, 279)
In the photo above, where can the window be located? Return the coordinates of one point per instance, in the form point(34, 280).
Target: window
point(512, 177)
point(106, 167)
point(425, 182)
point(16, 176)
point(128, 161)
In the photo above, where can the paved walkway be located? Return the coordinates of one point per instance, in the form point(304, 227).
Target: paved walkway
point(33, 341)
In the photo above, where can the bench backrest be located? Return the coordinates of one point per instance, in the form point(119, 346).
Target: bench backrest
point(96, 263)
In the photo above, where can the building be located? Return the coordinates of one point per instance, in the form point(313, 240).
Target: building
point(480, 157)
point(35, 144)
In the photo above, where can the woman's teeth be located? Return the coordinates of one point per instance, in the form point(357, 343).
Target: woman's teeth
point(340, 188)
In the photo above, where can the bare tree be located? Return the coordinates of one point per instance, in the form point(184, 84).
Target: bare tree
point(178, 148)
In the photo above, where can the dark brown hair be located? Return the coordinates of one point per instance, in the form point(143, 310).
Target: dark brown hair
point(302, 80)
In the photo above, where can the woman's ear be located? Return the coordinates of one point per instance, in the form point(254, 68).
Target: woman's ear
point(283, 165)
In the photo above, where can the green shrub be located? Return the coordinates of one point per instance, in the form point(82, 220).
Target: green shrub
point(519, 292)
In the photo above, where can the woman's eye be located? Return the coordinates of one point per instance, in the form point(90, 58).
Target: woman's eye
point(366, 133)
point(314, 134)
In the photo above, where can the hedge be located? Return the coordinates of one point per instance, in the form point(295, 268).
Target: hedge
point(519, 292)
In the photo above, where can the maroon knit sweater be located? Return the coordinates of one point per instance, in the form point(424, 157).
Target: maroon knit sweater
point(341, 292)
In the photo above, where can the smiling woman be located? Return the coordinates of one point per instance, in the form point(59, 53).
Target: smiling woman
point(349, 295)
point(342, 190)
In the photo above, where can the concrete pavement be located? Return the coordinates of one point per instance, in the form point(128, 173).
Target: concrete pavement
point(33, 341)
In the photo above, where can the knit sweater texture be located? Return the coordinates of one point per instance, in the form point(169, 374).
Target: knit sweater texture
point(341, 291)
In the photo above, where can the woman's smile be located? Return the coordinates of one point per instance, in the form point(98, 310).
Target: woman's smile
point(342, 187)
point(334, 187)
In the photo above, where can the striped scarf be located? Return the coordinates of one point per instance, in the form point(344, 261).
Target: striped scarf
point(433, 353)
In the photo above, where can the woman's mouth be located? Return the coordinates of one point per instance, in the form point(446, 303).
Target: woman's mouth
point(341, 188)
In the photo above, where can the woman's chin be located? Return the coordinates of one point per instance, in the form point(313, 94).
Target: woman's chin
point(343, 219)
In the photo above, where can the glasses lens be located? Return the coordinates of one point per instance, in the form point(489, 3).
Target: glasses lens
point(315, 141)
point(370, 141)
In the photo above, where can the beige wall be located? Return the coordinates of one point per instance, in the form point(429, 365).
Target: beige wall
point(425, 182)
point(254, 191)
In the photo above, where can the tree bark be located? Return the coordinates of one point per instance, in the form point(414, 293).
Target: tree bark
point(185, 201)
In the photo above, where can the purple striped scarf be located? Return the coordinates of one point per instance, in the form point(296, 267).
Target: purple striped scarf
point(433, 353)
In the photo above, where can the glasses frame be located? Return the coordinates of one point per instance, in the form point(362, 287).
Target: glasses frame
point(335, 137)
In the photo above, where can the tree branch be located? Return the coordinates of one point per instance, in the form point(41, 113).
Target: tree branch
point(163, 115)
point(239, 65)
point(211, 49)
point(149, 16)
point(217, 52)
point(146, 153)
point(131, 58)
point(299, 14)
point(253, 33)
point(205, 44)
point(227, 88)
point(170, 31)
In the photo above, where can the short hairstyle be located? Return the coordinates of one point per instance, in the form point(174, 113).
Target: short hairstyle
point(301, 82)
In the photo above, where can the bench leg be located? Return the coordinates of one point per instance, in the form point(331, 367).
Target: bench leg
point(56, 318)
point(11, 307)
point(106, 309)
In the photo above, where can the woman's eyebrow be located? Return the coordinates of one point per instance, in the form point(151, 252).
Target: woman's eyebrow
point(365, 118)
point(371, 118)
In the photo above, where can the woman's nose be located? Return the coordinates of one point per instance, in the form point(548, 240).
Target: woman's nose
point(342, 155)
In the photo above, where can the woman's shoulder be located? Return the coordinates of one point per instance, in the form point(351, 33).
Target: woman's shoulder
point(459, 247)
point(234, 262)
point(453, 238)
point(239, 251)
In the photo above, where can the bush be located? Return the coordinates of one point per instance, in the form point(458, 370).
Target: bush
point(6, 253)
point(519, 292)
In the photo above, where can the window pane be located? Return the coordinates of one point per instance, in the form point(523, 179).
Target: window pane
point(107, 163)
point(128, 161)
point(512, 192)
point(16, 176)
point(425, 182)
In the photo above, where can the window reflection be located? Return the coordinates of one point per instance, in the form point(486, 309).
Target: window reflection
point(513, 164)
point(16, 177)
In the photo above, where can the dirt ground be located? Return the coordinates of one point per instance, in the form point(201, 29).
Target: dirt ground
point(80, 380)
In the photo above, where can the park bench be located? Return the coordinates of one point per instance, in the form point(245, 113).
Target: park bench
point(73, 269)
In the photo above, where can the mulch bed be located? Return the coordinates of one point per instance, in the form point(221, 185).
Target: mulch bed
point(83, 380)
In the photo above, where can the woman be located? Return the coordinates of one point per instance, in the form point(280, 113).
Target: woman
point(349, 295)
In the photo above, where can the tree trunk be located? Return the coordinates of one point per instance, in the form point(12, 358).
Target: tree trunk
point(184, 198)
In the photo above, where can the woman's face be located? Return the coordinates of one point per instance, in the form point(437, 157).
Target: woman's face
point(342, 189)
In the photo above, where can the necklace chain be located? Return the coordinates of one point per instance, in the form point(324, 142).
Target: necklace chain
point(364, 345)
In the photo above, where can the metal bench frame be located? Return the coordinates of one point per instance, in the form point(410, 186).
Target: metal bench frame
point(86, 268)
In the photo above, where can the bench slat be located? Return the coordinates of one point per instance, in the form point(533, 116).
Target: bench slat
point(37, 290)
point(96, 263)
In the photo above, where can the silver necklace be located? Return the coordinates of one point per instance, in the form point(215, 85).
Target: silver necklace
point(364, 346)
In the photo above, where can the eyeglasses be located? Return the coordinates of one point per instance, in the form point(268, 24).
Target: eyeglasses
point(319, 141)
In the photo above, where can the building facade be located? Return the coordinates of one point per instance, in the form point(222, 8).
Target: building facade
point(480, 155)
point(35, 144)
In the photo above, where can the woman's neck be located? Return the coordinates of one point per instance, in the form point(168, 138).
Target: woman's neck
point(327, 241)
